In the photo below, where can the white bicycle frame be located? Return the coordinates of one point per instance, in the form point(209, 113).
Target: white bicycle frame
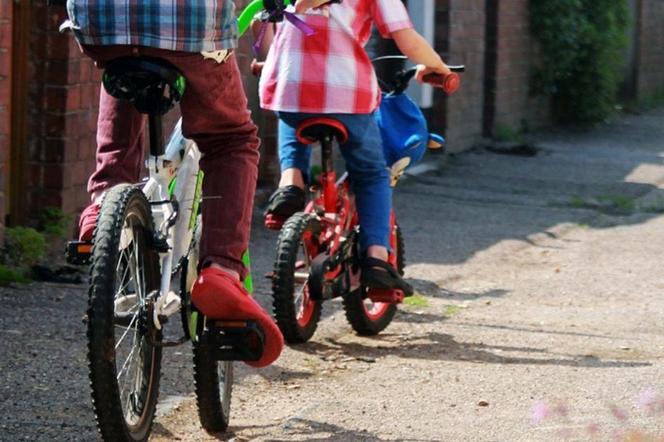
point(173, 188)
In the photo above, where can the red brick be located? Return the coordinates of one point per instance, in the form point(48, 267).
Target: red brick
point(85, 70)
point(89, 96)
point(73, 98)
point(57, 47)
point(5, 121)
point(6, 9)
point(5, 35)
point(79, 173)
point(87, 147)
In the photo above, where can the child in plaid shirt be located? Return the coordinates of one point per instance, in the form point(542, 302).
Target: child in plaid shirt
point(330, 74)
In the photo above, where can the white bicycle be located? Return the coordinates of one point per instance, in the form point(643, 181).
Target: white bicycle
point(145, 244)
point(143, 262)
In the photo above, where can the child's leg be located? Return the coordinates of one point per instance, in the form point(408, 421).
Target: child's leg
point(215, 115)
point(119, 144)
point(294, 159)
point(370, 181)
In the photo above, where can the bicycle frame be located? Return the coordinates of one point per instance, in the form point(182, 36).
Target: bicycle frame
point(334, 206)
point(173, 188)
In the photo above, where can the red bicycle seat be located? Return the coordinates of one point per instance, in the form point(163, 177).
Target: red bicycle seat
point(315, 129)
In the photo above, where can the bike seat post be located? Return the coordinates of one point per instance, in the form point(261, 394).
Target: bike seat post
point(328, 176)
point(155, 128)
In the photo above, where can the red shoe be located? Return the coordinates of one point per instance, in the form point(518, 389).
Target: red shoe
point(88, 222)
point(218, 295)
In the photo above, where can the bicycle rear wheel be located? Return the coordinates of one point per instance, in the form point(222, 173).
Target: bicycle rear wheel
point(214, 387)
point(213, 379)
point(124, 362)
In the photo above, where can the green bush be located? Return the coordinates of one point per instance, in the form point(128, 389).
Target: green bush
point(581, 43)
point(24, 246)
point(9, 275)
point(54, 223)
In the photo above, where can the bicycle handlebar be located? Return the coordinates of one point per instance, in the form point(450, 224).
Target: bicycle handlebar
point(448, 83)
point(248, 13)
point(399, 82)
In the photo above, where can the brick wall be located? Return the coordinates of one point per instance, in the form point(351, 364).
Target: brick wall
point(5, 100)
point(491, 38)
point(63, 96)
point(650, 50)
point(460, 37)
point(514, 105)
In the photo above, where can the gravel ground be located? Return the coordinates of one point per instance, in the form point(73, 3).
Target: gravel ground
point(539, 289)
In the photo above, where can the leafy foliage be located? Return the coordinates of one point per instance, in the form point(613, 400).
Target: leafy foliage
point(24, 246)
point(9, 275)
point(581, 42)
point(54, 222)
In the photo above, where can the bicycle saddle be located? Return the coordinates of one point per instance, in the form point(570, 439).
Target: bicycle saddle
point(315, 129)
point(152, 85)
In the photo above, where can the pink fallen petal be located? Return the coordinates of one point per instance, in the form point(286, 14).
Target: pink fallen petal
point(539, 413)
point(647, 399)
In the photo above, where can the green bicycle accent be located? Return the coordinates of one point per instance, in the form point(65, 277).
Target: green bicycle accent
point(193, 326)
point(247, 15)
point(248, 281)
point(197, 199)
point(171, 186)
point(180, 84)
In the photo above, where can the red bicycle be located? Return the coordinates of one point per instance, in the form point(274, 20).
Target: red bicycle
point(318, 250)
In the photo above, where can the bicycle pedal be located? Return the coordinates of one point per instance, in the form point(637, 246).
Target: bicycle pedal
point(232, 340)
point(78, 252)
point(389, 296)
point(274, 222)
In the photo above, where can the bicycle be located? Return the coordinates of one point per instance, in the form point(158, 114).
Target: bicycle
point(146, 236)
point(317, 250)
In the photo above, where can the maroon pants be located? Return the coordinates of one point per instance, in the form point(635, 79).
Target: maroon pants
point(215, 116)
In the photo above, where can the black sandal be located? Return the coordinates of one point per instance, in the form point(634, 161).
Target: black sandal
point(378, 274)
point(286, 201)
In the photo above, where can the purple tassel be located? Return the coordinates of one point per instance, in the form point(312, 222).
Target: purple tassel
point(302, 26)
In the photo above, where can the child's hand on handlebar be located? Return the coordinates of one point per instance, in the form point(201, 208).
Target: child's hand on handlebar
point(423, 71)
point(441, 77)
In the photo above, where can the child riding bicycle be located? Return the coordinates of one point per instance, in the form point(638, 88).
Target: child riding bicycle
point(330, 74)
point(199, 42)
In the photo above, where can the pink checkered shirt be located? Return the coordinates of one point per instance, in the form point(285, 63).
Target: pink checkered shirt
point(329, 72)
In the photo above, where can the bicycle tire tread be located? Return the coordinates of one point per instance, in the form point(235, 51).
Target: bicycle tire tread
point(354, 304)
point(283, 301)
point(108, 408)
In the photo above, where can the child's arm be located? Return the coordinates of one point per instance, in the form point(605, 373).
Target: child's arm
point(416, 48)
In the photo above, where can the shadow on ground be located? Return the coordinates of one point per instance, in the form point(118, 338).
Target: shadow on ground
point(604, 177)
point(436, 346)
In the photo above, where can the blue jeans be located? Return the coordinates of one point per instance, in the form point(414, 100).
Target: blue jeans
point(369, 177)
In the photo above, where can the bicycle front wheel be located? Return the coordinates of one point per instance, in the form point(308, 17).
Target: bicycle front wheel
point(123, 359)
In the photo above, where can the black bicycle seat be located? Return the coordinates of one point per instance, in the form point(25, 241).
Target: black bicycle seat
point(152, 85)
